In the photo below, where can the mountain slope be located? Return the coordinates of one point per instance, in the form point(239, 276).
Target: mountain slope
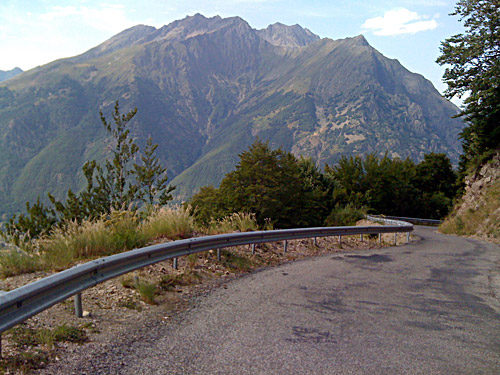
point(204, 89)
point(7, 74)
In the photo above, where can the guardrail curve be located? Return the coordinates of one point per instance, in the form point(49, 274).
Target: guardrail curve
point(22, 303)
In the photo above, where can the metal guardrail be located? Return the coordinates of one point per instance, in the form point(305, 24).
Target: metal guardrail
point(22, 303)
point(412, 220)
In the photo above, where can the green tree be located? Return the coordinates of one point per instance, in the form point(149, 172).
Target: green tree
point(269, 183)
point(473, 69)
point(435, 173)
point(151, 177)
point(121, 192)
point(37, 220)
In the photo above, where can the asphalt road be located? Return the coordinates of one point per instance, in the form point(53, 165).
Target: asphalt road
point(430, 307)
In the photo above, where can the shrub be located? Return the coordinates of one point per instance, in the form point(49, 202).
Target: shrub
point(347, 215)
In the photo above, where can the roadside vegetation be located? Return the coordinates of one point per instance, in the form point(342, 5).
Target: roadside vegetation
point(124, 205)
point(472, 70)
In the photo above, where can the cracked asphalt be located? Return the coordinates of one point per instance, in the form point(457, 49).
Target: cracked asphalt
point(429, 307)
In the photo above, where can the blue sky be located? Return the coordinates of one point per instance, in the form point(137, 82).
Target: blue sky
point(35, 32)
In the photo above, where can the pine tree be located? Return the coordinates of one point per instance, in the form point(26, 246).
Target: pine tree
point(117, 170)
point(151, 177)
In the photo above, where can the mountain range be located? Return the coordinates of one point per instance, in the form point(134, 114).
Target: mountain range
point(205, 88)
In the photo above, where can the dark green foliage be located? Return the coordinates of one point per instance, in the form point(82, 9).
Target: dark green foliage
point(121, 192)
point(473, 60)
point(207, 204)
point(273, 185)
point(37, 220)
point(342, 216)
point(265, 182)
point(436, 183)
point(395, 187)
point(151, 177)
point(318, 188)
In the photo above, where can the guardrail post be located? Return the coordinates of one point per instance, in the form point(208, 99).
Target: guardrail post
point(315, 241)
point(218, 254)
point(253, 249)
point(78, 305)
point(407, 237)
point(285, 246)
point(175, 265)
point(340, 239)
point(380, 238)
point(361, 237)
point(395, 238)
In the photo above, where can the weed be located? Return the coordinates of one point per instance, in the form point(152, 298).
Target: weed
point(68, 333)
point(24, 362)
point(128, 282)
point(191, 260)
point(239, 221)
point(147, 291)
point(23, 336)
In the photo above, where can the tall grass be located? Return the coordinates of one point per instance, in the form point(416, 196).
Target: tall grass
point(14, 262)
point(239, 221)
point(114, 233)
point(89, 239)
point(167, 222)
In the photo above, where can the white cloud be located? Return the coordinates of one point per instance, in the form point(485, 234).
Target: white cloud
point(399, 21)
point(111, 18)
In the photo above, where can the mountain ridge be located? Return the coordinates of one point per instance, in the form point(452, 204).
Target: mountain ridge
point(205, 88)
point(7, 74)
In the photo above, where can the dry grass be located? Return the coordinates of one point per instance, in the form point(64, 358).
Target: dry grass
point(167, 222)
point(484, 221)
point(237, 222)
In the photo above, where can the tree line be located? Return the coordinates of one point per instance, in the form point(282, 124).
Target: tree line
point(293, 192)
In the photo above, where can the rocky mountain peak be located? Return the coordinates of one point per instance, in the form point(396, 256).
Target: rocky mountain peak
point(279, 34)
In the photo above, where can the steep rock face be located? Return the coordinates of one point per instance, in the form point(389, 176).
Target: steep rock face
point(205, 88)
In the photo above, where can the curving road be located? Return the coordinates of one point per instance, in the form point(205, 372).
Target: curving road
point(430, 307)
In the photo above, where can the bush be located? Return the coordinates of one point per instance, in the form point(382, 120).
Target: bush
point(342, 216)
